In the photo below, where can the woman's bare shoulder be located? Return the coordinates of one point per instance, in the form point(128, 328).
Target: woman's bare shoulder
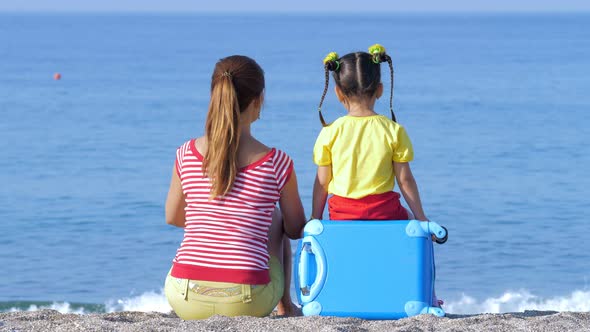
point(201, 144)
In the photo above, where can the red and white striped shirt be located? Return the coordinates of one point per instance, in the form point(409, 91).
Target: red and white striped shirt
point(225, 237)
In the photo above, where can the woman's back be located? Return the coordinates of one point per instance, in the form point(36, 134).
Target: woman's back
point(230, 232)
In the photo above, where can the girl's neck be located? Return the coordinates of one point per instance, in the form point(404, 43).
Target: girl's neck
point(360, 110)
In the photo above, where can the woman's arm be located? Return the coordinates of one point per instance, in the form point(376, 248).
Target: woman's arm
point(409, 188)
point(292, 209)
point(175, 203)
point(320, 191)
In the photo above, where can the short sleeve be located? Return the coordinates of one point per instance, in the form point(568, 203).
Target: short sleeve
point(402, 149)
point(283, 165)
point(322, 154)
point(178, 161)
point(180, 153)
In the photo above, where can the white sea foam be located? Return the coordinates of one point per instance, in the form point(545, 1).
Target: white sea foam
point(517, 301)
point(63, 307)
point(509, 301)
point(148, 301)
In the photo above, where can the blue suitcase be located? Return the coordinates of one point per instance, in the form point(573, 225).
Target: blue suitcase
point(367, 269)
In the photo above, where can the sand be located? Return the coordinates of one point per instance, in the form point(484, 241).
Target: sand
point(51, 320)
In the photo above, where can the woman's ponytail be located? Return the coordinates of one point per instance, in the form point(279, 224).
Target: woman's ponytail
point(236, 83)
point(222, 130)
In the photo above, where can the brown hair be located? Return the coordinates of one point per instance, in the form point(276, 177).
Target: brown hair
point(237, 81)
point(357, 75)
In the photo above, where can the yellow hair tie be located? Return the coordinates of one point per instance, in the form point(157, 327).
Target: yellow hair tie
point(377, 48)
point(376, 52)
point(332, 56)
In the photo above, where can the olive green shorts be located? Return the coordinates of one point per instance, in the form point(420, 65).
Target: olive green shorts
point(196, 299)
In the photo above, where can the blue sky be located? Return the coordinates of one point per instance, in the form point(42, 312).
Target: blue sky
point(297, 5)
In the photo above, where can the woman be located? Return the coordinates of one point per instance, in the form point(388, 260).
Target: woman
point(223, 192)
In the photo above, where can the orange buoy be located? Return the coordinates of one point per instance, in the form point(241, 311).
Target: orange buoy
point(57, 76)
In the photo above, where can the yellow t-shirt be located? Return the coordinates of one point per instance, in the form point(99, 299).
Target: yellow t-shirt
point(361, 151)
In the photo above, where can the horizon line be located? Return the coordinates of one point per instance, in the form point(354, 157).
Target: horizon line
point(299, 11)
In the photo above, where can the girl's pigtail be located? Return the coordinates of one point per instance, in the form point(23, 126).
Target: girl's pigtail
point(323, 96)
point(388, 59)
point(223, 136)
point(331, 63)
point(379, 55)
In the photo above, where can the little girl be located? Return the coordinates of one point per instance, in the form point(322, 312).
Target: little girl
point(361, 154)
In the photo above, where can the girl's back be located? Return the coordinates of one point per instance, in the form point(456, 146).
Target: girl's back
point(361, 151)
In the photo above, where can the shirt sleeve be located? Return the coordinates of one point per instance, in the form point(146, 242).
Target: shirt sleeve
point(402, 149)
point(180, 152)
point(283, 168)
point(322, 154)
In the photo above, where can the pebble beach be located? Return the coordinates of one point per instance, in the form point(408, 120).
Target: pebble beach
point(51, 320)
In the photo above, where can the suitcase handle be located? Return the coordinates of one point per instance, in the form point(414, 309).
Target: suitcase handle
point(309, 291)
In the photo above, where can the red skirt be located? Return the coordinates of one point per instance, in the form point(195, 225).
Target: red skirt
point(384, 206)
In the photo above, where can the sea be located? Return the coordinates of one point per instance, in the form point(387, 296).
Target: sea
point(497, 107)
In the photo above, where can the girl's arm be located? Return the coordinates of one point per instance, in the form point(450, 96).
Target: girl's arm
point(292, 209)
point(409, 188)
point(320, 191)
point(175, 203)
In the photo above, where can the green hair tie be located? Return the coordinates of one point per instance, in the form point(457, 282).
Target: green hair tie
point(332, 56)
point(377, 48)
point(376, 51)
